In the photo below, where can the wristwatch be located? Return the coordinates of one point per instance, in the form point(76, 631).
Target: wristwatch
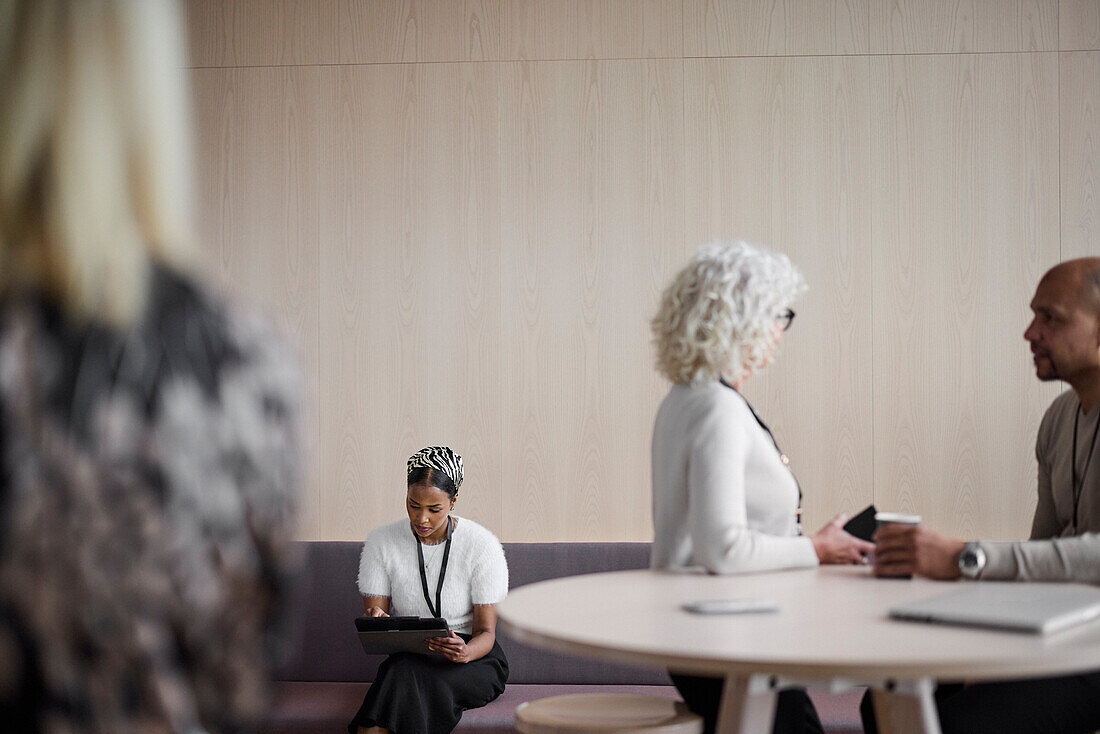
point(971, 560)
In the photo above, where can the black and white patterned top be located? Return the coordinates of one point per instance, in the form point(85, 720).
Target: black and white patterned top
point(146, 503)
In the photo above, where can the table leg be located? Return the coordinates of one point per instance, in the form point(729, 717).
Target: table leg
point(748, 705)
point(906, 708)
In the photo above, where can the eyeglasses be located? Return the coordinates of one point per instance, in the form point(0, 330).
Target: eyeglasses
point(784, 319)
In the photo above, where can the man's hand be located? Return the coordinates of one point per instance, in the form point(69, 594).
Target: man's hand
point(901, 550)
point(376, 612)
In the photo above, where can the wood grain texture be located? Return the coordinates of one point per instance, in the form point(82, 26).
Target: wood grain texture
point(780, 157)
point(224, 33)
point(410, 314)
point(963, 26)
point(775, 27)
point(469, 253)
point(266, 32)
point(1079, 25)
point(591, 211)
point(494, 30)
point(965, 220)
point(257, 143)
point(1079, 122)
point(407, 31)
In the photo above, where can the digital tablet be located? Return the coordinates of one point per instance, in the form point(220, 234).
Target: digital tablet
point(386, 635)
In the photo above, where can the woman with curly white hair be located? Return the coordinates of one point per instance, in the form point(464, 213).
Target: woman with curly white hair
point(724, 497)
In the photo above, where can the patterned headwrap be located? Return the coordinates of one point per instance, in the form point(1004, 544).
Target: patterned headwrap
point(439, 458)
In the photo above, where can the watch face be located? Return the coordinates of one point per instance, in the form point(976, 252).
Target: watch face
point(971, 560)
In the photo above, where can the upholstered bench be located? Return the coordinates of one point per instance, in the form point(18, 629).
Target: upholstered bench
point(326, 674)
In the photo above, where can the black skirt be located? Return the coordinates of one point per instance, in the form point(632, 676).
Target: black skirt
point(426, 694)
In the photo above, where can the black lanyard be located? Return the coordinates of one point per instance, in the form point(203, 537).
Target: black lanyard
point(1078, 486)
point(437, 610)
point(782, 457)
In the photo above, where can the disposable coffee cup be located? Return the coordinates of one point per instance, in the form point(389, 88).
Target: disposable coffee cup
point(883, 518)
point(896, 518)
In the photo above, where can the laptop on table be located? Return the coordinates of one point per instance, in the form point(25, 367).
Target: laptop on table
point(1037, 608)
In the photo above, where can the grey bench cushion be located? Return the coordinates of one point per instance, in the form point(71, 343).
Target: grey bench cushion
point(325, 601)
point(326, 708)
point(313, 708)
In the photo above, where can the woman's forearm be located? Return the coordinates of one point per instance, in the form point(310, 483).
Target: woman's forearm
point(480, 644)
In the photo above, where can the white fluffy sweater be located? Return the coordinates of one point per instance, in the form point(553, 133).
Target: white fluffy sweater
point(722, 499)
point(476, 571)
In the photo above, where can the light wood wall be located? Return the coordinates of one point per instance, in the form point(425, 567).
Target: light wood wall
point(463, 211)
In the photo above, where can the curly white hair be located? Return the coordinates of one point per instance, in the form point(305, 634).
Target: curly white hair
point(716, 316)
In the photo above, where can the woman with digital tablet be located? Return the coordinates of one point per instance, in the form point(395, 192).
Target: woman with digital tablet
point(434, 564)
point(724, 497)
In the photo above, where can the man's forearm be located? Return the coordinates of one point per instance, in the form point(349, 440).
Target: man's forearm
point(1058, 559)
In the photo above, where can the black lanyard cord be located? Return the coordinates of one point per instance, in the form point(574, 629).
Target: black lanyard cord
point(1078, 486)
point(782, 456)
point(437, 610)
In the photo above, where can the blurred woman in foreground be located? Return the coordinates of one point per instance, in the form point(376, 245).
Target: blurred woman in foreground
point(147, 430)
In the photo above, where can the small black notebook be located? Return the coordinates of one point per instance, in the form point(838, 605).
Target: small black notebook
point(863, 525)
point(386, 635)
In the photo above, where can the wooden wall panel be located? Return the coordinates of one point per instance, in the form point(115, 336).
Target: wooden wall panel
point(406, 31)
point(963, 26)
point(485, 30)
point(266, 32)
point(470, 252)
point(225, 33)
point(964, 221)
point(775, 27)
point(1079, 25)
point(257, 143)
point(780, 157)
point(1079, 121)
point(591, 229)
point(410, 318)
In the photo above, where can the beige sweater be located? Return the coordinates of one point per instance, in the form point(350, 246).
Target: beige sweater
point(1057, 550)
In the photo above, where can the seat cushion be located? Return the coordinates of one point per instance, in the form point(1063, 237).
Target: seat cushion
point(308, 707)
point(326, 708)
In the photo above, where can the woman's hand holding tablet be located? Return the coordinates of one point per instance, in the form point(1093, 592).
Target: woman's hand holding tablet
point(453, 648)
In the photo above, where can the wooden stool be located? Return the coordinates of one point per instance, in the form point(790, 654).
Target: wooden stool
point(619, 713)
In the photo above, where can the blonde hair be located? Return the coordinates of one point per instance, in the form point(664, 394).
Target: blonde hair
point(94, 150)
point(716, 317)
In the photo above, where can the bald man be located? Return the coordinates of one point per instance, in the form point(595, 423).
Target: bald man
point(1065, 533)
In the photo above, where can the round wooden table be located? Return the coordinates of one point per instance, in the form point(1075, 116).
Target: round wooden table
point(832, 627)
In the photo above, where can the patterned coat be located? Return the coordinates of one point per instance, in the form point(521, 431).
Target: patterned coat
point(146, 502)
